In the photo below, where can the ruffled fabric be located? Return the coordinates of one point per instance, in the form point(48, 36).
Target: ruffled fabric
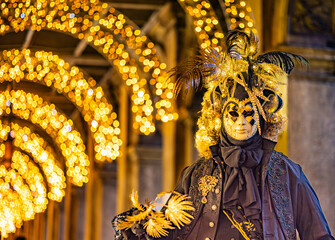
point(240, 186)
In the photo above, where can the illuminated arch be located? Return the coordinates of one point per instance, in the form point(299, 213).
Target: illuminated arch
point(238, 15)
point(31, 107)
point(47, 68)
point(43, 155)
point(31, 176)
point(83, 20)
point(18, 201)
point(205, 22)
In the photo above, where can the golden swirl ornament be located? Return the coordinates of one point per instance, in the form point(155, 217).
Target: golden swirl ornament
point(206, 184)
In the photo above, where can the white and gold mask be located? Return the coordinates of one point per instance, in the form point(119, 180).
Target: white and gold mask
point(239, 120)
point(221, 71)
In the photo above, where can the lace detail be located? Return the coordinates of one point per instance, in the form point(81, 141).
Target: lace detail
point(280, 192)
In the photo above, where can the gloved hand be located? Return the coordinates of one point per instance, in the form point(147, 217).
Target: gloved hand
point(136, 232)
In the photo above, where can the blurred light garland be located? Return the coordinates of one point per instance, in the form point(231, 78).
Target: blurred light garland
point(22, 190)
point(49, 69)
point(97, 24)
point(31, 107)
point(205, 22)
point(42, 154)
point(239, 15)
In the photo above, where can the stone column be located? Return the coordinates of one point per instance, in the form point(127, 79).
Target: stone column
point(36, 227)
point(56, 226)
point(169, 129)
point(312, 127)
point(168, 155)
point(78, 210)
point(93, 197)
point(67, 211)
point(109, 198)
point(122, 160)
point(184, 141)
point(50, 220)
point(150, 172)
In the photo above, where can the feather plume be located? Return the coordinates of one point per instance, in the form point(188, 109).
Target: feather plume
point(266, 73)
point(123, 225)
point(157, 224)
point(134, 200)
point(286, 61)
point(241, 46)
point(193, 73)
point(141, 216)
point(176, 210)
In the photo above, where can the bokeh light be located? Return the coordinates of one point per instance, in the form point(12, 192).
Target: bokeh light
point(32, 108)
point(98, 23)
point(47, 68)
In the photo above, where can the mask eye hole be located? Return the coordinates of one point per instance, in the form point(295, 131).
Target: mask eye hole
point(248, 113)
point(233, 113)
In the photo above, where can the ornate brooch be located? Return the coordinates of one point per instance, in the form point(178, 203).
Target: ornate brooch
point(206, 184)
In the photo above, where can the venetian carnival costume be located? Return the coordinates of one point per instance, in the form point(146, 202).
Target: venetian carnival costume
point(241, 188)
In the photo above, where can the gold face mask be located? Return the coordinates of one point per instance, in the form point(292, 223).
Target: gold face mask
point(239, 119)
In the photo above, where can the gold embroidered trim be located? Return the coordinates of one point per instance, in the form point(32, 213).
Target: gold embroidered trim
point(237, 225)
point(206, 184)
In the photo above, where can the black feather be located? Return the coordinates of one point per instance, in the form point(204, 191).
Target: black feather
point(236, 43)
point(286, 61)
point(240, 45)
point(192, 73)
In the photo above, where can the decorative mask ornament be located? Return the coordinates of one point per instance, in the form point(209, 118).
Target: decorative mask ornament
point(224, 72)
point(239, 119)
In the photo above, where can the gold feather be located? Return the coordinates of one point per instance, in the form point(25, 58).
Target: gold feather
point(123, 225)
point(154, 229)
point(176, 210)
point(141, 216)
point(134, 200)
point(268, 73)
point(156, 225)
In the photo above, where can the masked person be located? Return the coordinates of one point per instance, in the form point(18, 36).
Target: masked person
point(241, 188)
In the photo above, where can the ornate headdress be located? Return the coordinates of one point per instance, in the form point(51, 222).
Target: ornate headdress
point(222, 72)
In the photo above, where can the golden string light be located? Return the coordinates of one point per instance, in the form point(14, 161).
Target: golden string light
point(22, 190)
point(98, 24)
point(205, 22)
point(147, 57)
point(49, 69)
point(239, 15)
point(42, 154)
point(31, 107)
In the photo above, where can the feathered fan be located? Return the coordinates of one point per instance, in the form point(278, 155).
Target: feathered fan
point(192, 73)
point(155, 223)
